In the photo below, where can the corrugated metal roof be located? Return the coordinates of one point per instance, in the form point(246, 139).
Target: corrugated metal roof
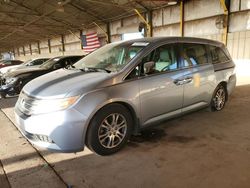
point(26, 21)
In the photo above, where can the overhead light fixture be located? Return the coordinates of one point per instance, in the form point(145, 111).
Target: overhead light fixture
point(172, 2)
point(60, 7)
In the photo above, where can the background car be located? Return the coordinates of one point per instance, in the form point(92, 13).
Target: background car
point(29, 63)
point(6, 63)
point(13, 82)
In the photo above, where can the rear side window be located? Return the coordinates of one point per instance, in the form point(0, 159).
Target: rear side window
point(193, 55)
point(38, 62)
point(217, 54)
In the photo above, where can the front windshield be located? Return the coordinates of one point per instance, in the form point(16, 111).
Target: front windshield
point(48, 64)
point(112, 57)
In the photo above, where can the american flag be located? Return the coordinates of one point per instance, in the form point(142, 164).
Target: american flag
point(90, 42)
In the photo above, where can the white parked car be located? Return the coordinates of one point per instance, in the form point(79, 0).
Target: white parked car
point(29, 63)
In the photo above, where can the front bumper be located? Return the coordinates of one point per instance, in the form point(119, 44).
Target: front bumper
point(59, 131)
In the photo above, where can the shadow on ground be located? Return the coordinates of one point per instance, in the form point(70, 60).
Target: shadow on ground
point(8, 102)
point(202, 149)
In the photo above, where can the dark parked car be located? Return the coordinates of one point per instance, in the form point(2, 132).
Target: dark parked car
point(6, 63)
point(13, 82)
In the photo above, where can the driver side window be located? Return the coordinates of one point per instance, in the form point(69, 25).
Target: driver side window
point(159, 60)
point(165, 58)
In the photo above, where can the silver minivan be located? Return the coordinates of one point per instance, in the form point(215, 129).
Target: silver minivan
point(122, 88)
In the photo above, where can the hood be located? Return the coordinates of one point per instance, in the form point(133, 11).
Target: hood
point(6, 69)
point(24, 67)
point(23, 71)
point(64, 83)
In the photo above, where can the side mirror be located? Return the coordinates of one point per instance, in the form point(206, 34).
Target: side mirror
point(148, 67)
point(57, 66)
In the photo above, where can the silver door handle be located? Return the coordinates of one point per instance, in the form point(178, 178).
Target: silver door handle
point(188, 80)
point(179, 81)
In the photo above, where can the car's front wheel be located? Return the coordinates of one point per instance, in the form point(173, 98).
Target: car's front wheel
point(109, 130)
point(219, 98)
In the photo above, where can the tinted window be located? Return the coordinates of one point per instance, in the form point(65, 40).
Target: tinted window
point(75, 59)
point(38, 62)
point(193, 55)
point(217, 54)
point(49, 64)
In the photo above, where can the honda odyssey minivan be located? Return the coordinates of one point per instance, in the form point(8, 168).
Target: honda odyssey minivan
point(122, 88)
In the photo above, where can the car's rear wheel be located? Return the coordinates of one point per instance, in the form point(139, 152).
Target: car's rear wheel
point(219, 98)
point(109, 130)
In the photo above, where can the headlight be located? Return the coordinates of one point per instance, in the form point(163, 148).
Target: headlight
point(39, 106)
point(10, 80)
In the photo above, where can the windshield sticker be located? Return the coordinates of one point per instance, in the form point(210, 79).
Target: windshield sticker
point(140, 44)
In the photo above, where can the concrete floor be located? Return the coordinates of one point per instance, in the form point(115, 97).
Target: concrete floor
point(202, 149)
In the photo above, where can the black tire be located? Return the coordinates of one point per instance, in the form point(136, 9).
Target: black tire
point(99, 134)
point(219, 99)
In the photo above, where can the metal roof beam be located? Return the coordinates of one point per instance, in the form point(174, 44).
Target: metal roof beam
point(47, 16)
point(33, 21)
point(87, 12)
point(22, 13)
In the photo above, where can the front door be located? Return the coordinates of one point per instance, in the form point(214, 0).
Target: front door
point(161, 96)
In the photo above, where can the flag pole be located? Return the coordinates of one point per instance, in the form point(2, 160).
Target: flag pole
point(107, 38)
point(74, 34)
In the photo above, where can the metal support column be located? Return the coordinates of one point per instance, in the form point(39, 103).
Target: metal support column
point(182, 18)
point(150, 22)
point(145, 22)
point(226, 5)
point(81, 39)
point(49, 45)
point(63, 44)
point(30, 49)
point(38, 47)
point(23, 51)
point(18, 52)
point(108, 33)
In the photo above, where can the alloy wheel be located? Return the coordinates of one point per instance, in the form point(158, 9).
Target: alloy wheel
point(219, 99)
point(112, 130)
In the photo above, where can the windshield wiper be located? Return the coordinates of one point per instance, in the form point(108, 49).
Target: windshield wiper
point(94, 69)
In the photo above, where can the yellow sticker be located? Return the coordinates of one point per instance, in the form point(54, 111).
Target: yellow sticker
point(197, 80)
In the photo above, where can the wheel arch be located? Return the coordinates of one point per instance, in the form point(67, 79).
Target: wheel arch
point(127, 105)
